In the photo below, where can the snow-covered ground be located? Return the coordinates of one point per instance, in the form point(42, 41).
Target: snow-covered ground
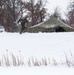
point(54, 48)
point(36, 71)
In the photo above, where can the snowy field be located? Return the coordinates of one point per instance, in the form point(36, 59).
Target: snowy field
point(37, 53)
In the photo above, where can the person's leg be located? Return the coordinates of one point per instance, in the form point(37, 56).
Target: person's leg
point(22, 29)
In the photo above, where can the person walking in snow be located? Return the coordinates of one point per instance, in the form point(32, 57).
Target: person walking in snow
point(23, 22)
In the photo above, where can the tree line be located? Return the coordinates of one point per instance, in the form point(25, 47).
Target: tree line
point(11, 10)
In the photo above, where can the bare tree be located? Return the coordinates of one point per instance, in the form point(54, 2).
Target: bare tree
point(57, 13)
point(71, 13)
point(36, 10)
point(10, 10)
point(1, 12)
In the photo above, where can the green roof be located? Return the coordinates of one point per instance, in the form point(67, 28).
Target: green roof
point(50, 24)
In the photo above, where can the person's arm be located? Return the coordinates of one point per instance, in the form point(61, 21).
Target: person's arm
point(19, 20)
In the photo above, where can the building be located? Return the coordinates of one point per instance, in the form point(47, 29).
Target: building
point(51, 25)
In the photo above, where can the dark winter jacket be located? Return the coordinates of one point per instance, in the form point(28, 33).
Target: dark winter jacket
point(23, 21)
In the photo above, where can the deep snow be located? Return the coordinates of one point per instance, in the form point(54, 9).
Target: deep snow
point(37, 45)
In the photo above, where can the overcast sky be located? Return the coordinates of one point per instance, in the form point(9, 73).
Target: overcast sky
point(62, 4)
point(51, 4)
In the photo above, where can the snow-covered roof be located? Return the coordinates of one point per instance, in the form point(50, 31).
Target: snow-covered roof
point(52, 22)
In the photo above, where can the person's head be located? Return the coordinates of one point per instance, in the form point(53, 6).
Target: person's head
point(25, 17)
